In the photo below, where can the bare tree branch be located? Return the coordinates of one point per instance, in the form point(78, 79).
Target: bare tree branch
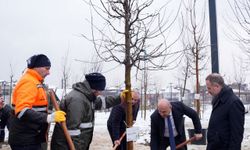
point(195, 40)
point(143, 28)
point(241, 11)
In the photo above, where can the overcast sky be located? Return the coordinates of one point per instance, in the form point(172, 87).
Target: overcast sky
point(53, 27)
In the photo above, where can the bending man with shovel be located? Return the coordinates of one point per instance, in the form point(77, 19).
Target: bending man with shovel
point(167, 125)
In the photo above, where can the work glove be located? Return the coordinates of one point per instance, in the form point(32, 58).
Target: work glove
point(123, 94)
point(57, 116)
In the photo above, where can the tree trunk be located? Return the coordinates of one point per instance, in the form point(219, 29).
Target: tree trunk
point(129, 114)
point(197, 99)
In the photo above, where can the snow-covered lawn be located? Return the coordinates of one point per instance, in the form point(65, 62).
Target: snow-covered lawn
point(102, 141)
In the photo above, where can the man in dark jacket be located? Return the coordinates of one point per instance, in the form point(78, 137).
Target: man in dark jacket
point(226, 124)
point(117, 121)
point(80, 105)
point(5, 112)
point(160, 136)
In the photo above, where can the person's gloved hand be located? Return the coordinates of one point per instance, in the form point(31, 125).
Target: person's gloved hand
point(122, 95)
point(57, 116)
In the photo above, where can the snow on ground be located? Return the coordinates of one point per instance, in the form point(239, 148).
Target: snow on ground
point(102, 141)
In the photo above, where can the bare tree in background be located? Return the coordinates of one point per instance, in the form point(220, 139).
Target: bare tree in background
point(195, 38)
point(241, 11)
point(184, 68)
point(65, 73)
point(185, 72)
point(128, 31)
point(145, 81)
point(94, 65)
point(240, 68)
point(11, 83)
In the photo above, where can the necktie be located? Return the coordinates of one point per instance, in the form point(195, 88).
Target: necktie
point(171, 134)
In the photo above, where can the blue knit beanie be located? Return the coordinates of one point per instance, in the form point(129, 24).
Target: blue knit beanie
point(96, 81)
point(39, 60)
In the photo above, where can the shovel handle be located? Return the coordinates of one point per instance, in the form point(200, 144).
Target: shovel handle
point(185, 142)
point(63, 124)
point(120, 139)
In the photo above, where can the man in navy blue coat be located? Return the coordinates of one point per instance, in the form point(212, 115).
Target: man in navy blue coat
point(226, 124)
point(159, 130)
point(117, 121)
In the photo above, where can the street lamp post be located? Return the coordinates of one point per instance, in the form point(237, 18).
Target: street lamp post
point(213, 36)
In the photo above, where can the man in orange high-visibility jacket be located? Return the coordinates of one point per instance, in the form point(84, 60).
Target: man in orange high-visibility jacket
point(29, 125)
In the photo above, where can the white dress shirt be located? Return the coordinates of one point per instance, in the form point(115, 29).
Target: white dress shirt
point(166, 132)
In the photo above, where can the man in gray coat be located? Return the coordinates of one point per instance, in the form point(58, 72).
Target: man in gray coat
point(80, 105)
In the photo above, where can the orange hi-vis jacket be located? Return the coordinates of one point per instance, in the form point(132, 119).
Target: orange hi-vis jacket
point(29, 100)
point(29, 93)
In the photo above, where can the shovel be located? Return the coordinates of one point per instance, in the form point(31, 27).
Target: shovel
point(63, 124)
point(185, 142)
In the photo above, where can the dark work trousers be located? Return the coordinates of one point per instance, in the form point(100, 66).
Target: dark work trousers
point(26, 147)
point(2, 134)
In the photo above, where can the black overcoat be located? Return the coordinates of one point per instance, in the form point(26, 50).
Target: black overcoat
point(158, 124)
point(226, 124)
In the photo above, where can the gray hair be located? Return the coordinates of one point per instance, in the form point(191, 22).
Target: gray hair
point(216, 78)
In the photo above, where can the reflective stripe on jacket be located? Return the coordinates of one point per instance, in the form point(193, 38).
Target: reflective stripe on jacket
point(79, 106)
point(29, 92)
point(29, 101)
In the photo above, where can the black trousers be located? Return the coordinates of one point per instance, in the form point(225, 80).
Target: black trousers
point(2, 134)
point(26, 147)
